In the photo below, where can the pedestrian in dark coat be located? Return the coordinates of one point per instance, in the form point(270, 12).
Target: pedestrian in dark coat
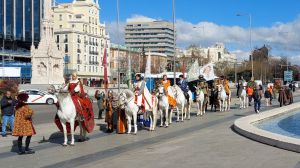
point(8, 108)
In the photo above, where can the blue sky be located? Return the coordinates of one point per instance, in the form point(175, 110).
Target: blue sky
point(219, 21)
point(264, 12)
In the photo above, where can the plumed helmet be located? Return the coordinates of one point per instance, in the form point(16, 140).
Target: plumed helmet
point(181, 76)
point(201, 77)
point(23, 97)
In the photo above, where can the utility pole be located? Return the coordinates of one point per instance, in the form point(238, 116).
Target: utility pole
point(174, 41)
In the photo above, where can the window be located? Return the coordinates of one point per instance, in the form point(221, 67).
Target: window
point(85, 69)
point(57, 38)
point(66, 38)
point(78, 56)
point(73, 26)
point(66, 48)
point(78, 68)
point(60, 26)
point(70, 16)
point(60, 17)
point(90, 68)
point(96, 69)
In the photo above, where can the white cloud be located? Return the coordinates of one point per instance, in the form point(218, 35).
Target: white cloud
point(140, 18)
point(241, 55)
point(235, 38)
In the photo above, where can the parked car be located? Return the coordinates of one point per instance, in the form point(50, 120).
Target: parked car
point(40, 97)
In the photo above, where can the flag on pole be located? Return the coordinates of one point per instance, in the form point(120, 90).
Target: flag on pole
point(193, 72)
point(208, 72)
point(104, 64)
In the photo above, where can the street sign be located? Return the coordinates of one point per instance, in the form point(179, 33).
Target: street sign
point(288, 75)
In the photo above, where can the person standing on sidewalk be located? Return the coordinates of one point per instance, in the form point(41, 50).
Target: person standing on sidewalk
point(100, 102)
point(23, 124)
point(8, 109)
point(257, 96)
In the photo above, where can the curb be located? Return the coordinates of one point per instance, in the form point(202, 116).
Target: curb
point(245, 127)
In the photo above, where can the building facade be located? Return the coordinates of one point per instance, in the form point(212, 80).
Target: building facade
point(20, 22)
point(214, 54)
point(83, 38)
point(135, 61)
point(128, 57)
point(19, 29)
point(158, 36)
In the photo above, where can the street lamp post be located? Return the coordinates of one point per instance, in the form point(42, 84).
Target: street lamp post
point(174, 40)
point(250, 39)
point(118, 56)
point(287, 62)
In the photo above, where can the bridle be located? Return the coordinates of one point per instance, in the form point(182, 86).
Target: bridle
point(123, 98)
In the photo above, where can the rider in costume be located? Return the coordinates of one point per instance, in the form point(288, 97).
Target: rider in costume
point(75, 88)
point(225, 83)
point(83, 104)
point(184, 87)
point(203, 85)
point(166, 83)
point(139, 87)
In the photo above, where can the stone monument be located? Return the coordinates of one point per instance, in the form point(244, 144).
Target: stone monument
point(47, 60)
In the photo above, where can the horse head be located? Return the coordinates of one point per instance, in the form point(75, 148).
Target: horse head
point(161, 91)
point(122, 100)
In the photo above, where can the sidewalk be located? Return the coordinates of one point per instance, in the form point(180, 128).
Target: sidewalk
point(44, 132)
point(50, 131)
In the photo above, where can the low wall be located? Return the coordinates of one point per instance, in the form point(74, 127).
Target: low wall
point(245, 127)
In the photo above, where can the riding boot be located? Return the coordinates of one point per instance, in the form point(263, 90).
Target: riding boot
point(21, 151)
point(27, 149)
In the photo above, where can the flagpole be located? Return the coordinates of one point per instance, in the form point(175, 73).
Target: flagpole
point(118, 57)
point(174, 41)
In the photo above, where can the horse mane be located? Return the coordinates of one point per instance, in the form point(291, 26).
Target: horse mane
point(128, 93)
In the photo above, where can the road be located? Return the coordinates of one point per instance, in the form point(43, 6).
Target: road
point(206, 142)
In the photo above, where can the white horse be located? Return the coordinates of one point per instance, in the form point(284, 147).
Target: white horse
point(163, 106)
point(126, 102)
point(67, 113)
point(185, 107)
point(224, 99)
point(243, 96)
point(200, 100)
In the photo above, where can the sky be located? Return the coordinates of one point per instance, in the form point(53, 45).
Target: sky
point(275, 23)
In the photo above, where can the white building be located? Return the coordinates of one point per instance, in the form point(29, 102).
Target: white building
point(214, 54)
point(83, 37)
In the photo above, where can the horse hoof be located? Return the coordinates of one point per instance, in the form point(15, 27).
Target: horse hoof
point(72, 144)
point(166, 126)
point(64, 145)
point(160, 126)
point(177, 121)
point(128, 132)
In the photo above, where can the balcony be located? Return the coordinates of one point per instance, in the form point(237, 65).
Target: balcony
point(79, 62)
point(78, 51)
